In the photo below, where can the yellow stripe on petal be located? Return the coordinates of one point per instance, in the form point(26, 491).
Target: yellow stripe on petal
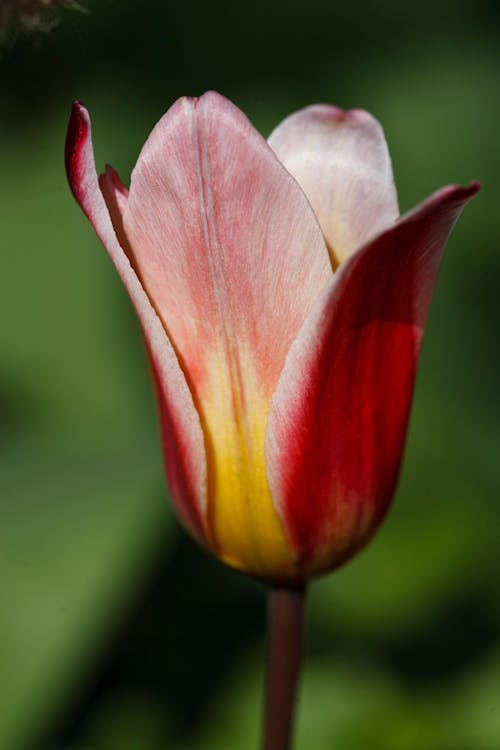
point(247, 532)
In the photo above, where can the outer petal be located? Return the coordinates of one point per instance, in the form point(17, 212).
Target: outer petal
point(339, 415)
point(233, 259)
point(341, 161)
point(183, 437)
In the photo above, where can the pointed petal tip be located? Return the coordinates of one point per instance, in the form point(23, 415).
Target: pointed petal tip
point(79, 114)
point(213, 95)
point(213, 101)
point(463, 191)
point(76, 136)
point(111, 176)
point(454, 196)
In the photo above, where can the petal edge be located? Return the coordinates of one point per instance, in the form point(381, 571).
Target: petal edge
point(183, 438)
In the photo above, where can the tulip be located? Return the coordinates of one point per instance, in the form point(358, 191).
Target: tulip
point(283, 304)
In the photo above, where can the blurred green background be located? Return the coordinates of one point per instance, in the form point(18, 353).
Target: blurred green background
point(116, 632)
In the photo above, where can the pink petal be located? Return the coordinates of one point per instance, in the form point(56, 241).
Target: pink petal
point(233, 260)
point(116, 196)
point(228, 247)
point(339, 414)
point(183, 437)
point(341, 161)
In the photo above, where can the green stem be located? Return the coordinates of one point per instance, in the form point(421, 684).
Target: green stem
point(285, 617)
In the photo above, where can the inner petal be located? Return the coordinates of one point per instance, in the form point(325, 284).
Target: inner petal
point(341, 161)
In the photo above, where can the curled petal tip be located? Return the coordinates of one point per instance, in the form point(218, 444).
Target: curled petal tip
point(78, 131)
point(78, 112)
point(465, 190)
point(454, 195)
point(471, 190)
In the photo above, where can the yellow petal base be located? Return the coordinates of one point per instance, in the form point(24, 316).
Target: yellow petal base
point(246, 530)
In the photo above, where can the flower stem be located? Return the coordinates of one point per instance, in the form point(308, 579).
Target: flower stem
point(285, 616)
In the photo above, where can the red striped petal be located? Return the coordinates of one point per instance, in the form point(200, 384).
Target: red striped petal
point(339, 414)
point(183, 437)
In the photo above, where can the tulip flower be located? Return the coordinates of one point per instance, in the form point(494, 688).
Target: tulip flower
point(283, 302)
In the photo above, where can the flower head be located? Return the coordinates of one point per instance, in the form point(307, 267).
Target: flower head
point(283, 303)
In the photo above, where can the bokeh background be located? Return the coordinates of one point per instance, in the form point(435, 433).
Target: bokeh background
point(116, 632)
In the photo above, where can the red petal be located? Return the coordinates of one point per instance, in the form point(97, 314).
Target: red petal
point(183, 437)
point(339, 414)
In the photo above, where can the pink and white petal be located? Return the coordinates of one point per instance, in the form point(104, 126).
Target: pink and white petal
point(341, 161)
point(233, 259)
point(338, 419)
point(226, 243)
point(183, 437)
